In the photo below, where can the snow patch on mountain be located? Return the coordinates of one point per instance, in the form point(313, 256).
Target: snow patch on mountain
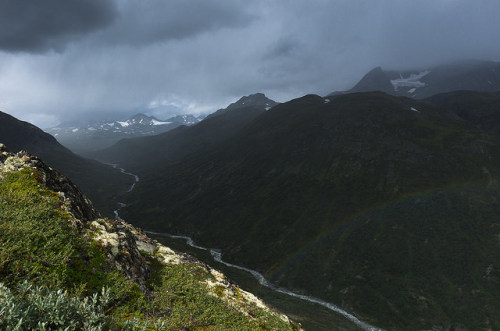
point(156, 122)
point(412, 81)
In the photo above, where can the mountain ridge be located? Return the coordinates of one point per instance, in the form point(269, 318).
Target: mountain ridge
point(307, 167)
point(101, 134)
point(173, 145)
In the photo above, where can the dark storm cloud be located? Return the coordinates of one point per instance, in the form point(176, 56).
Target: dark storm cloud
point(200, 55)
point(42, 25)
point(147, 22)
point(283, 48)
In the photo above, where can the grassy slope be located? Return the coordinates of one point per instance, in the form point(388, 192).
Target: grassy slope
point(38, 244)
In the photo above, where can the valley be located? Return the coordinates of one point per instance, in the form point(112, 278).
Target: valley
point(345, 212)
point(339, 159)
point(312, 313)
point(342, 205)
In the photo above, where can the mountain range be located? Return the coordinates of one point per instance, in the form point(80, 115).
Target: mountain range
point(100, 134)
point(383, 199)
point(422, 83)
point(185, 140)
point(385, 205)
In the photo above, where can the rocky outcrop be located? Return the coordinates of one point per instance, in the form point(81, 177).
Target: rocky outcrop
point(76, 202)
point(119, 240)
point(127, 247)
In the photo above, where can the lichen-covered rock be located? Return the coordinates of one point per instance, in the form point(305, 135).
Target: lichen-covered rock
point(126, 244)
point(76, 202)
point(119, 239)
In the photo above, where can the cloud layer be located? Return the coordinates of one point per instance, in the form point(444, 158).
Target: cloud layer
point(39, 26)
point(68, 58)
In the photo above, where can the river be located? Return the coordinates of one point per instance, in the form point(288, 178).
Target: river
point(120, 205)
point(313, 313)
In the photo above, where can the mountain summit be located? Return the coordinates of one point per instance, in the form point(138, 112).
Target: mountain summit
point(175, 144)
point(257, 100)
point(472, 75)
point(375, 80)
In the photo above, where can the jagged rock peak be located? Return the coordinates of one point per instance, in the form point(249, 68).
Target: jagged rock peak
point(76, 202)
point(256, 101)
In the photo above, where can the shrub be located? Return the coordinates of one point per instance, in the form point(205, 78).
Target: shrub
point(31, 307)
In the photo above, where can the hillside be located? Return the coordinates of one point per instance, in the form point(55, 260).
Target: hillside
point(61, 267)
point(384, 205)
point(100, 182)
point(479, 108)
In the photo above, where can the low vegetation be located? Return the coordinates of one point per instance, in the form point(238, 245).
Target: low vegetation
point(54, 276)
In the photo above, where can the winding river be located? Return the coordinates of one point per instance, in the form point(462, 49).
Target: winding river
point(296, 305)
point(120, 205)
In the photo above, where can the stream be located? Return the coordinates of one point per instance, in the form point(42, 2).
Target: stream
point(136, 180)
point(313, 313)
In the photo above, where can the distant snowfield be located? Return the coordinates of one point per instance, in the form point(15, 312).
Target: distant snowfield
point(155, 122)
point(412, 81)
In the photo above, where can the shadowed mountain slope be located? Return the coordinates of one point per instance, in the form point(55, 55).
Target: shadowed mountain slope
point(149, 152)
point(384, 205)
point(479, 108)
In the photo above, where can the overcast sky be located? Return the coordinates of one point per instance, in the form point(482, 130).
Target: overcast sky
point(60, 59)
